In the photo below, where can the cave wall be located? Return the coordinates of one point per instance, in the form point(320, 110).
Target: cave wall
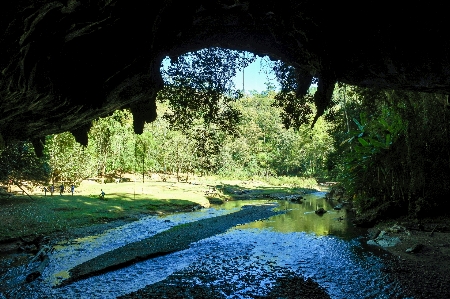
point(65, 63)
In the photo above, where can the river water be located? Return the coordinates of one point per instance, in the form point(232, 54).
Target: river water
point(241, 263)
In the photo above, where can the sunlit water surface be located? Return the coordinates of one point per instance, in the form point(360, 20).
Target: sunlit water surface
point(251, 257)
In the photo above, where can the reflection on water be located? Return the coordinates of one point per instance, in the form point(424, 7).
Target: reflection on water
point(300, 217)
point(244, 262)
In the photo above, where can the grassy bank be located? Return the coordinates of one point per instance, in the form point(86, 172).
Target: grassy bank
point(25, 216)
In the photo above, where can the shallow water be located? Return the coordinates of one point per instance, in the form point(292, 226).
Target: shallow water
point(300, 217)
point(244, 261)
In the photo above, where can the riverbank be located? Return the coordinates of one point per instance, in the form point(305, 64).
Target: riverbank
point(286, 283)
point(421, 260)
point(42, 214)
point(422, 274)
point(31, 223)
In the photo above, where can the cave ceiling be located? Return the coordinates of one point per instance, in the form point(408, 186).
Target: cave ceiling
point(64, 64)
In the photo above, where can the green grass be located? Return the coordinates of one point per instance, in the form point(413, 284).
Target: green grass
point(294, 182)
point(23, 216)
point(43, 215)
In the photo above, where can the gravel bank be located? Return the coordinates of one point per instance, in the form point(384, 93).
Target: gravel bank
point(174, 239)
point(424, 272)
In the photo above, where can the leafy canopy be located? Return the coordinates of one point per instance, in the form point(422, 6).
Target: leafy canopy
point(199, 85)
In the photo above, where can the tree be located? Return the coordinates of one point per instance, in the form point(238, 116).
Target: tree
point(199, 85)
point(207, 147)
point(69, 161)
point(120, 160)
point(396, 148)
point(264, 147)
point(19, 162)
point(112, 143)
point(295, 98)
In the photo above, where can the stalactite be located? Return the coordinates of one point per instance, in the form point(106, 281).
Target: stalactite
point(38, 144)
point(322, 97)
point(142, 112)
point(81, 133)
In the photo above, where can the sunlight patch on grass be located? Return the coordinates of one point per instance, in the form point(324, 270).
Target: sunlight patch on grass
point(22, 216)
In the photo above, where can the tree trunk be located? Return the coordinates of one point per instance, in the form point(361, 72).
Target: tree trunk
point(18, 185)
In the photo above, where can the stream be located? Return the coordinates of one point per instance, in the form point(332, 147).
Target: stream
point(242, 263)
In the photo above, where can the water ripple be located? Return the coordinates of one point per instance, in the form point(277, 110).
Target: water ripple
point(241, 263)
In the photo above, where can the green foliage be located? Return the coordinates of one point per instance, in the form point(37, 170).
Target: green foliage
point(19, 162)
point(295, 98)
point(208, 127)
point(170, 151)
point(265, 148)
point(296, 110)
point(367, 165)
point(395, 149)
point(111, 143)
point(207, 146)
point(199, 85)
point(68, 160)
point(260, 147)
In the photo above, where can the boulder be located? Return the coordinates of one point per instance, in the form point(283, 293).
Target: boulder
point(320, 211)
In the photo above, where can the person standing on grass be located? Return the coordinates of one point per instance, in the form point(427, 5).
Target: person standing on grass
point(102, 194)
point(72, 188)
point(52, 189)
point(61, 189)
point(45, 191)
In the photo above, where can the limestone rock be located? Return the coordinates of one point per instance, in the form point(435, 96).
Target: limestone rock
point(65, 63)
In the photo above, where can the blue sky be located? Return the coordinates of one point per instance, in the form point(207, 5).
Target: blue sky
point(254, 77)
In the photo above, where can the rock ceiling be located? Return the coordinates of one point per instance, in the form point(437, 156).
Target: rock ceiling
point(66, 63)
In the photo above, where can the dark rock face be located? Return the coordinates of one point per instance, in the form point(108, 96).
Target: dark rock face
point(66, 63)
